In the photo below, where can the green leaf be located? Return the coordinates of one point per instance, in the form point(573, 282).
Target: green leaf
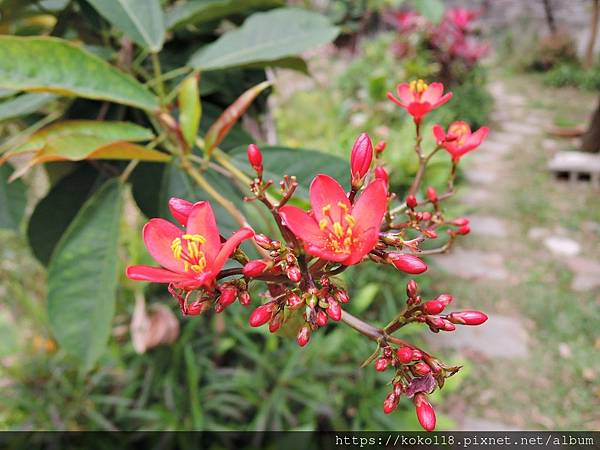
point(190, 108)
point(44, 64)
point(302, 163)
point(196, 12)
point(53, 214)
point(12, 200)
point(264, 38)
point(431, 9)
point(82, 277)
point(141, 20)
point(23, 105)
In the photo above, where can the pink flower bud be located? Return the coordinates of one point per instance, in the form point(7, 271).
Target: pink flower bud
point(261, 315)
point(255, 268)
point(380, 147)
point(432, 307)
point(390, 403)
point(275, 323)
point(425, 412)
point(465, 229)
point(342, 296)
point(244, 297)
point(294, 301)
point(412, 289)
point(398, 389)
point(264, 241)
point(432, 195)
point(381, 174)
point(426, 216)
point(460, 221)
point(417, 355)
point(294, 274)
point(381, 364)
point(180, 209)
point(444, 299)
point(255, 158)
point(421, 369)
point(303, 336)
point(404, 354)
point(321, 318)
point(411, 201)
point(228, 296)
point(448, 326)
point(407, 263)
point(361, 157)
point(195, 309)
point(334, 310)
point(467, 317)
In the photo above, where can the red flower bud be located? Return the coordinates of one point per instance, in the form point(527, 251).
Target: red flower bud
point(381, 174)
point(334, 310)
point(398, 389)
point(432, 307)
point(244, 297)
point(417, 355)
point(432, 195)
point(321, 318)
point(180, 209)
point(425, 412)
point(294, 301)
point(381, 364)
point(467, 317)
point(390, 403)
point(460, 221)
point(303, 336)
point(412, 288)
point(228, 296)
point(411, 201)
point(195, 308)
point(255, 158)
point(407, 263)
point(294, 273)
point(380, 147)
point(404, 354)
point(275, 323)
point(465, 229)
point(261, 315)
point(264, 241)
point(448, 326)
point(421, 369)
point(360, 159)
point(255, 268)
point(426, 216)
point(342, 296)
point(444, 299)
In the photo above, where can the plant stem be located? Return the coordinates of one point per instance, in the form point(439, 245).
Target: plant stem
point(128, 170)
point(160, 87)
point(370, 331)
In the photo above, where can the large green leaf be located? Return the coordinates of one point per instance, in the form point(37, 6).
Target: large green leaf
point(303, 164)
point(53, 214)
point(45, 64)
point(82, 277)
point(12, 200)
point(23, 105)
point(141, 20)
point(196, 12)
point(264, 38)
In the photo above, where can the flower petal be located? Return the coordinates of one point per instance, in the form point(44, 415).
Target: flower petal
point(327, 192)
point(404, 93)
point(418, 110)
point(158, 235)
point(391, 97)
point(433, 93)
point(439, 133)
point(229, 246)
point(323, 253)
point(370, 207)
point(202, 221)
point(445, 99)
point(154, 274)
point(180, 209)
point(302, 225)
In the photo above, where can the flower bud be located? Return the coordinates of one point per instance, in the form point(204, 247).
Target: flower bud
point(426, 216)
point(180, 209)
point(195, 308)
point(398, 388)
point(430, 233)
point(321, 318)
point(381, 174)
point(255, 159)
point(411, 201)
point(244, 297)
point(264, 241)
point(460, 221)
point(360, 159)
point(407, 263)
point(421, 369)
point(342, 296)
point(417, 355)
point(448, 326)
point(294, 273)
point(334, 310)
point(255, 268)
point(303, 336)
point(275, 323)
point(425, 412)
point(390, 403)
point(380, 147)
point(432, 195)
point(467, 317)
point(381, 364)
point(228, 296)
point(387, 352)
point(294, 301)
point(432, 307)
point(465, 229)
point(412, 289)
point(404, 354)
point(444, 299)
point(261, 315)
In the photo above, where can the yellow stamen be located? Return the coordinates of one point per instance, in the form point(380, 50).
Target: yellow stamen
point(193, 256)
point(418, 86)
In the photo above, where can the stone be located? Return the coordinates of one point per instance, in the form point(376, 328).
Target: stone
point(473, 264)
point(477, 175)
point(499, 337)
point(537, 233)
point(476, 197)
point(497, 147)
point(562, 246)
point(586, 273)
point(479, 424)
point(550, 144)
point(489, 226)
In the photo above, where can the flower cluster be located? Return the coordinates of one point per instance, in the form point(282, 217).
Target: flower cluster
point(298, 266)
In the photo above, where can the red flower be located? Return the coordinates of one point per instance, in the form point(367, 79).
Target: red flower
point(335, 230)
point(459, 140)
point(189, 258)
point(425, 412)
point(418, 98)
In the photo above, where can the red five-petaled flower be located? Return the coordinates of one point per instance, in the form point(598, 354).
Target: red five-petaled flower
point(459, 139)
point(418, 98)
point(335, 230)
point(189, 258)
